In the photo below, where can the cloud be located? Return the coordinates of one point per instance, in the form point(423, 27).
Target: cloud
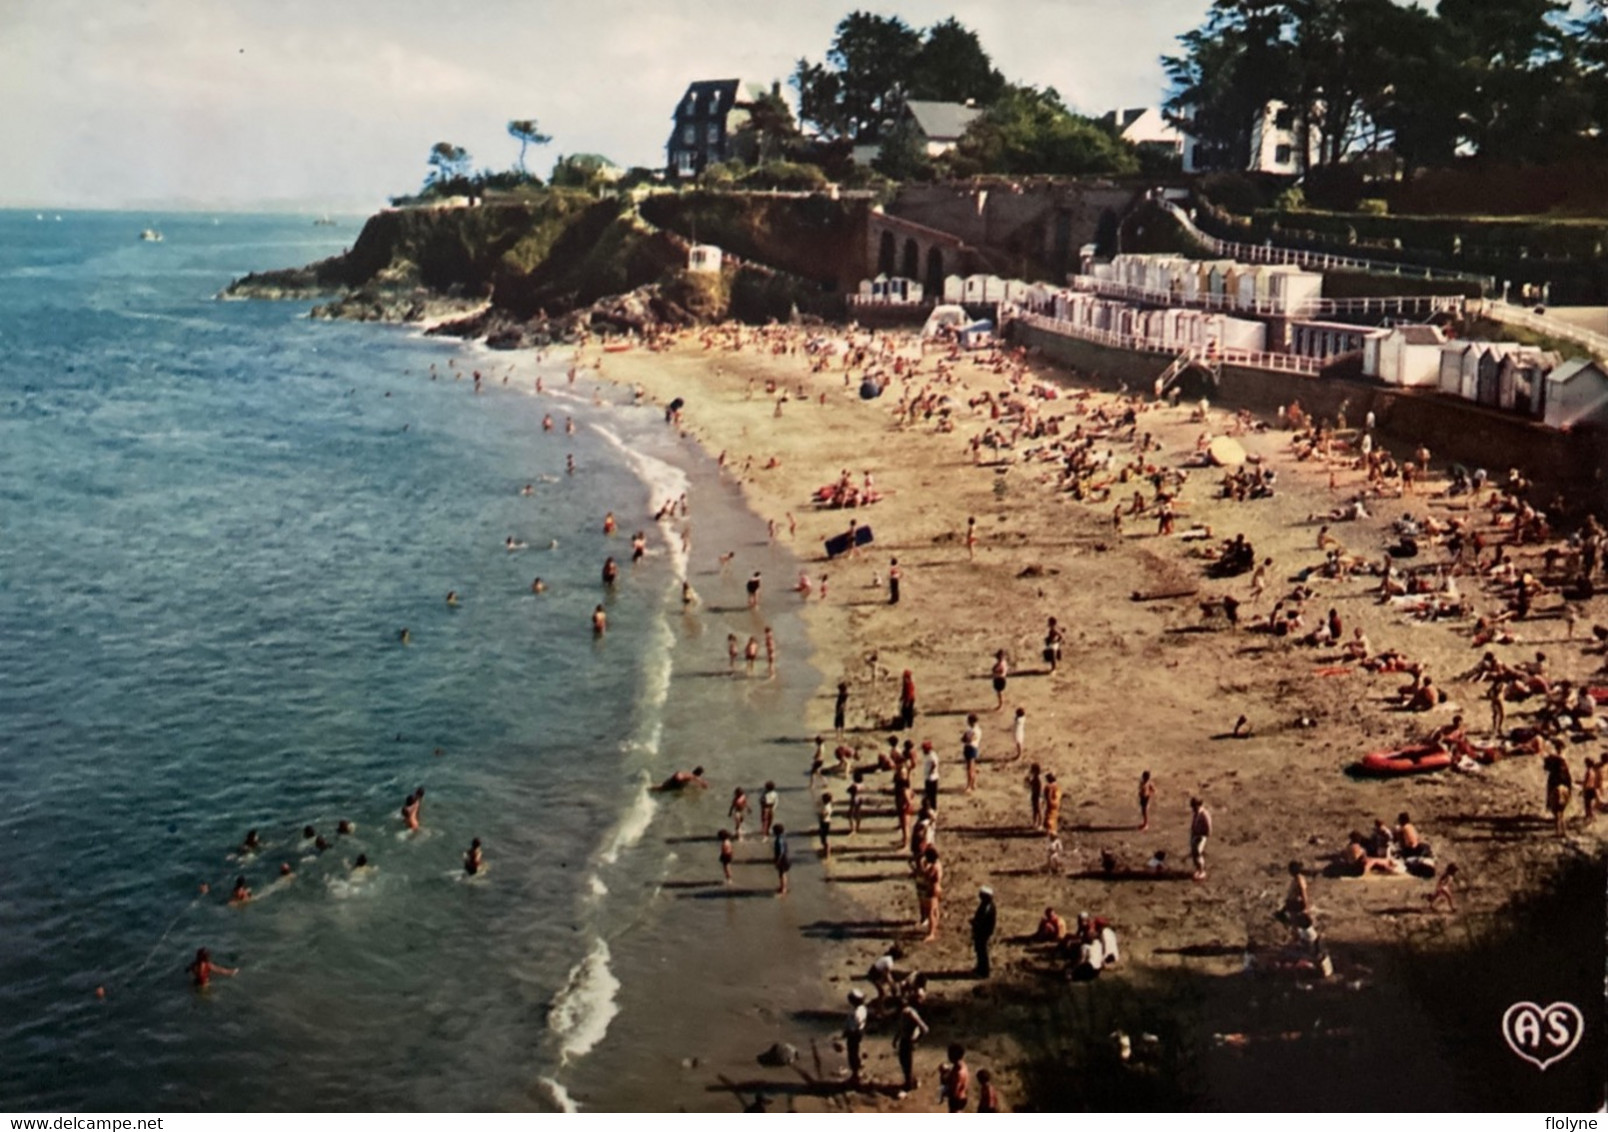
point(239, 102)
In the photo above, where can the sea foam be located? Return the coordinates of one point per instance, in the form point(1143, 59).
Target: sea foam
point(585, 1005)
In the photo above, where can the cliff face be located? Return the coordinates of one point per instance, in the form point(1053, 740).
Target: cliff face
point(521, 270)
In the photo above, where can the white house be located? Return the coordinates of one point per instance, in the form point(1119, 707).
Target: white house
point(1147, 128)
point(1408, 356)
point(1275, 145)
point(1576, 392)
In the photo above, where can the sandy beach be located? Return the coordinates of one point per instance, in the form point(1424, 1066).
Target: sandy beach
point(1153, 685)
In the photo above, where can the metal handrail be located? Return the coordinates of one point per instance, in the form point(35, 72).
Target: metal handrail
point(1552, 327)
point(1216, 355)
point(1308, 308)
point(1321, 261)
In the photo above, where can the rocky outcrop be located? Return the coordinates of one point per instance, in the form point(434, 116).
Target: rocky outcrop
point(540, 268)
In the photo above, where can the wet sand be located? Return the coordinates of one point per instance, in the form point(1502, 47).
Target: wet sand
point(1143, 685)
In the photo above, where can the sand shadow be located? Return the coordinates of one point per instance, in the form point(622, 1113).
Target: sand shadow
point(857, 929)
point(1203, 951)
point(870, 878)
point(1102, 829)
point(992, 831)
point(723, 892)
point(1128, 875)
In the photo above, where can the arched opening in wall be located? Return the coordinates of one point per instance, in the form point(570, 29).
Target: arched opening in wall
point(1061, 252)
point(934, 282)
point(912, 260)
point(1105, 234)
point(886, 254)
point(1194, 383)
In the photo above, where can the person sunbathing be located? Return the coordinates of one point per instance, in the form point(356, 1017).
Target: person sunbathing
point(1358, 862)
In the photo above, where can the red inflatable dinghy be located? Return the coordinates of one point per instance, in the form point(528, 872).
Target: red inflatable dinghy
point(1405, 760)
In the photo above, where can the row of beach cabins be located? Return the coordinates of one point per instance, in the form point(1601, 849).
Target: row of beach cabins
point(1274, 316)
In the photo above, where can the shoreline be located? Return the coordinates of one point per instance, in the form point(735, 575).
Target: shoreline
point(1075, 726)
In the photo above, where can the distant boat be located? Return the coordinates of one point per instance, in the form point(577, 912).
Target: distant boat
point(325, 221)
point(151, 235)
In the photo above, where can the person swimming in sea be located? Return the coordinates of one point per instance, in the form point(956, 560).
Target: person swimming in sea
point(202, 968)
point(682, 779)
point(251, 844)
point(473, 859)
point(452, 598)
point(241, 894)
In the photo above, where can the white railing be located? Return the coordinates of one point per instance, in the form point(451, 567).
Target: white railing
point(1212, 356)
point(1542, 324)
point(1317, 261)
point(1308, 308)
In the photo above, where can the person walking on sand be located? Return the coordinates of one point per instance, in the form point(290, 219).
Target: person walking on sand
point(854, 1028)
point(1200, 829)
point(904, 803)
point(1054, 641)
point(954, 1079)
point(1560, 785)
point(751, 654)
point(930, 876)
point(840, 707)
point(1035, 793)
point(1147, 792)
point(971, 536)
point(907, 701)
point(1019, 731)
point(908, 1030)
point(732, 649)
point(929, 776)
point(737, 811)
point(726, 855)
point(767, 809)
point(824, 825)
point(782, 858)
point(894, 575)
point(983, 922)
point(1001, 673)
point(987, 1095)
point(1052, 805)
point(971, 744)
point(1443, 889)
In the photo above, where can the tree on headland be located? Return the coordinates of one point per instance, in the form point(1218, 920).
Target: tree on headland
point(527, 133)
point(771, 124)
point(1503, 80)
point(1030, 131)
point(448, 162)
point(876, 63)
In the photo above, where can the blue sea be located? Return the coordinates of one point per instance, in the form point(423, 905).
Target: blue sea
point(216, 520)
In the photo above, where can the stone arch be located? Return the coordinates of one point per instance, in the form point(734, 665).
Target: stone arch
point(886, 254)
point(912, 259)
point(934, 282)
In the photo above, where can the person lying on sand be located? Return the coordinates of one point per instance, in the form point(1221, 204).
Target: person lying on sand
point(1356, 859)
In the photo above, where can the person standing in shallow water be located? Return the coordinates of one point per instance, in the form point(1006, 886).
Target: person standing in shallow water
point(202, 968)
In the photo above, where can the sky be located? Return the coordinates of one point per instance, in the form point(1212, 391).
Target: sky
point(333, 105)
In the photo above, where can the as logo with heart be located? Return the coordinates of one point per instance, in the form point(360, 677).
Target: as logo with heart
point(1543, 1035)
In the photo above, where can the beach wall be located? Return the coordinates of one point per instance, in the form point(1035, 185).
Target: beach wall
point(1453, 430)
point(1038, 226)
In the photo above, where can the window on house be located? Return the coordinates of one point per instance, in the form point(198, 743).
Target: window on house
point(1282, 155)
point(1284, 119)
point(684, 162)
point(689, 136)
point(714, 133)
